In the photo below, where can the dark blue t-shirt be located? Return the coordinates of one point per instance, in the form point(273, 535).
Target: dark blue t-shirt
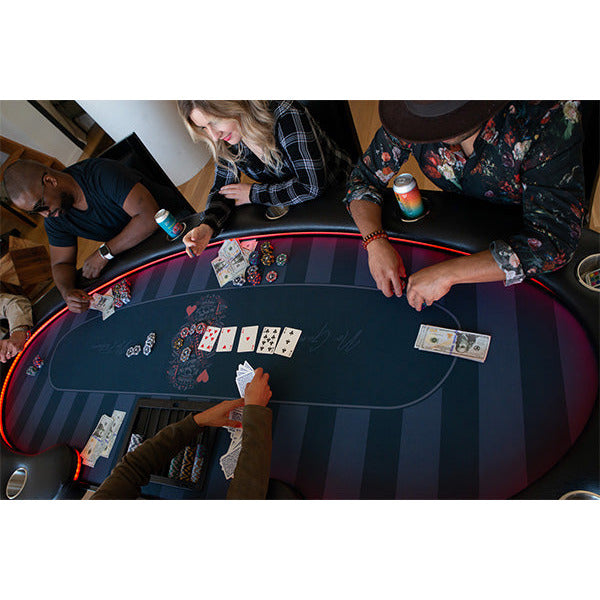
point(106, 184)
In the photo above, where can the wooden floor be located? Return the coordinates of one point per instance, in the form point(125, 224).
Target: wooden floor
point(366, 119)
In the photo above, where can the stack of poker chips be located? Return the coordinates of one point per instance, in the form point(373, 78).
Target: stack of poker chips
point(38, 363)
point(137, 348)
point(187, 465)
point(264, 256)
point(135, 440)
point(149, 343)
point(121, 292)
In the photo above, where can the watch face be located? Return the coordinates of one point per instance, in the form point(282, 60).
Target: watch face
point(104, 251)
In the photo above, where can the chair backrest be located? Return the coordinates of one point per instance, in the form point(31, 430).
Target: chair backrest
point(132, 153)
point(590, 120)
point(335, 119)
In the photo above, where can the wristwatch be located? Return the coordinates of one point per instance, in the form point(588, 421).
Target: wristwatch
point(105, 252)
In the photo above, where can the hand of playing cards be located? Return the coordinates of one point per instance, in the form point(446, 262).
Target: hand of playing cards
point(102, 440)
point(453, 342)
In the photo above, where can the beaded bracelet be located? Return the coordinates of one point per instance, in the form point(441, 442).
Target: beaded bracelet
point(375, 235)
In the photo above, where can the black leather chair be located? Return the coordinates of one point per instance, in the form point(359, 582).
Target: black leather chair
point(335, 119)
point(132, 153)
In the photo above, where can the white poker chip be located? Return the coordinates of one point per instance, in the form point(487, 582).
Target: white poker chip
point(129, 352)
point(147, 349)
point(137, 349)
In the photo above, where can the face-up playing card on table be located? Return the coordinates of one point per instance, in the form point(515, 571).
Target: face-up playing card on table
point(268, 340)
point(209, 338)
point(287, 342)
point(226, 339)
point(247, 338)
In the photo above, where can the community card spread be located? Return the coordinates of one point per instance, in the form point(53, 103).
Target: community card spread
point(247, 338)
point(287, 342)
point(226, 339)
point(268, 340)
point(209, 338)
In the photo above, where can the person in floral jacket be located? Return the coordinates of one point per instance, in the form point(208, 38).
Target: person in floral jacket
point(521, 152)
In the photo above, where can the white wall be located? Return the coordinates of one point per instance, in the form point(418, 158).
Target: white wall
point(158, 125)
point(22, 123)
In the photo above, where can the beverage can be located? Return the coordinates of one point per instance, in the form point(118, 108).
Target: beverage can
point(408, 196)
point(167, 221)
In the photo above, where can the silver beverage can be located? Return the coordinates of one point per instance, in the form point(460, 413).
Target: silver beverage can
point(168, 222)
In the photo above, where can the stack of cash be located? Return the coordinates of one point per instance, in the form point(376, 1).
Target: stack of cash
point(232, 261)
point(103, 438)
point(453, 342)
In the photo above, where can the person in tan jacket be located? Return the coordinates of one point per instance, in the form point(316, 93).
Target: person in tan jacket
point(17, 311)
point(251, 477)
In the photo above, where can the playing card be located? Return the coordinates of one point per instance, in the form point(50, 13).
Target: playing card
point(287, 342)
point(117, 418)
point(104, 304)
point(229, 461)
point(226, 339)
point(209, 338)
point(249, 244)
point(247, 338)
point(268, 340)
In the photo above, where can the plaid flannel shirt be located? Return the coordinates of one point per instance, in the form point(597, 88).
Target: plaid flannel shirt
point(311, 163)
point(528, 154)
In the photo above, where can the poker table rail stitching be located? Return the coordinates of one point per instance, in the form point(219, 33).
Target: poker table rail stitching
point(173, 255)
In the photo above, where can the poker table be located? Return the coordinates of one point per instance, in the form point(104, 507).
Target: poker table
point(358, 412)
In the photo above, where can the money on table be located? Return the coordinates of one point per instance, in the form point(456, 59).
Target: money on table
point(453, 342)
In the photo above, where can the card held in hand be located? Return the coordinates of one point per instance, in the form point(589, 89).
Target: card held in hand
point(287, 342)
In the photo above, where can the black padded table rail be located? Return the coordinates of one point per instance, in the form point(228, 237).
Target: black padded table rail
point(358, 412)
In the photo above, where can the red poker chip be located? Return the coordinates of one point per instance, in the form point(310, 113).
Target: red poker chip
point(271, 276)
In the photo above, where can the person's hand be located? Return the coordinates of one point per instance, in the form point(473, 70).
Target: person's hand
point(258, 390)
point(240, 192)
point(428, 285)
point(386, 266)
point(93, 264)
point(197, 239)
point(10, 347)
point(77, 301)
point(218, 416)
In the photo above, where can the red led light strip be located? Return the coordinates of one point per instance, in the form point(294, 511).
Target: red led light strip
point(78, 469)
point(176, 255)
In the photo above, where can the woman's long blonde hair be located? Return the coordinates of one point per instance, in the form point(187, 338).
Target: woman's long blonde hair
point(256, 122)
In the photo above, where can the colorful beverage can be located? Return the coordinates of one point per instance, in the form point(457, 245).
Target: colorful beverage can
point(408, 196)
point(167, 221)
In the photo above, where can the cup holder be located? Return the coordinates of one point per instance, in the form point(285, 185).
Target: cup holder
point(16, 483)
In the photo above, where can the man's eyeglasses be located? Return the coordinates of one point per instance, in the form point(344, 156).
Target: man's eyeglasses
point(39, 206)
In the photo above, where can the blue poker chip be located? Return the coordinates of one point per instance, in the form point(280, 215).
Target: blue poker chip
point(254, 257)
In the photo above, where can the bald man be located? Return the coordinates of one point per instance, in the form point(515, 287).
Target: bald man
point(96, 199)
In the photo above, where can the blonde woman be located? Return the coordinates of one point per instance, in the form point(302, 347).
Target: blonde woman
point(275, 143)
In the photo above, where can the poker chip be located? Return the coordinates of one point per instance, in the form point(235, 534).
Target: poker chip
point(185, 354)
point(31, 371)
point(192, 328)
point(178, 343)
point(185, 331)
point(38, 361)
point(147, 349)
point(254, 257)
point(281, 259)
point(200, 328)
point(267, 260)
point(271, 276)
point(239, 281)
point(266, 246)
point(137, 349)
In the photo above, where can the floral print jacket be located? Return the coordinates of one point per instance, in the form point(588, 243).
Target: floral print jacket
point(529, 154)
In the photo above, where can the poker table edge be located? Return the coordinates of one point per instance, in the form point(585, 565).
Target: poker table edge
point(454, 222)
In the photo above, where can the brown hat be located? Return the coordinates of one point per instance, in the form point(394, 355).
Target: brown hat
point(425, 121)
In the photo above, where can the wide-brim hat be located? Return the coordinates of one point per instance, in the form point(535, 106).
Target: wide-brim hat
point(426, 121)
